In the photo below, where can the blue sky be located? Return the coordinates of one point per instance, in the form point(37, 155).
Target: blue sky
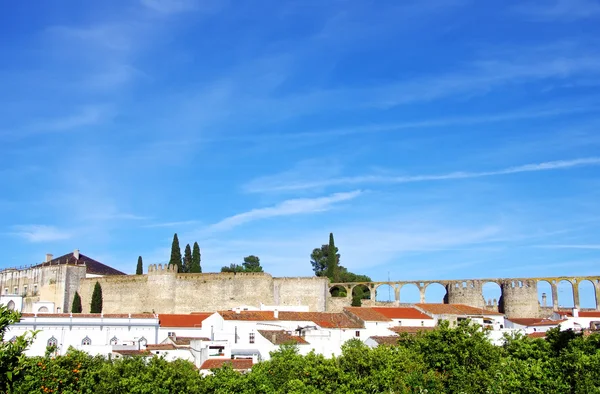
point(434, 138)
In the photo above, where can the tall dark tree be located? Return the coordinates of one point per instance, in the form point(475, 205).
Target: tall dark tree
point(187, 259)
point(176, 254)
point(252, 264)
point(333, 261)
point(196, 259)
point(318, 259)
point(96, 304)
point(76, 307)
point(140, 267)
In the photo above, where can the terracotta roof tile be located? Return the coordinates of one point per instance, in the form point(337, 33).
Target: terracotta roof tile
point(323, 319)
point(529, 322)
point(282, 337)
point(133, 352)
point(537, 335)
point(455, 309)
point(247, 315)
point(161, 346)
point(185, 341)
point(182, 320)
point(569, 313)
point(367, 314)
point(402, 313)
point(237, 364)
point(386, 340)
point(91, 266)
point(411, 330)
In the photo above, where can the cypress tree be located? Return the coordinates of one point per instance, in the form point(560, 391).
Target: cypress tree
point(196, 259)
point(76, 308)
point(332, 271)
point(96, 304)
point(176, 254)
point(140, 267)
point(187, 259)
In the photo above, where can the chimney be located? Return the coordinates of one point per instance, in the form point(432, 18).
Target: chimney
point(276, 314)
point(575, 312)
point(48, 257)
point(76, 254)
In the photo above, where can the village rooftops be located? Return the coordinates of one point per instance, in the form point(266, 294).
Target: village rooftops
point(386, 340)
point(536, 322)
point(322, 319)
point(410, 330)
point(92, 266)
point(90, 315)
point(241, 364)
point(281, 337)
point(569, 313)
point(455, 309)
point(193, 320)
point(402, 313)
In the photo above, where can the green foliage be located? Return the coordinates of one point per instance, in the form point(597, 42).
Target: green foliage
point(176, 254)
point(232, 268)
point(446, 360)
point(196, 268)
point(252, 264)
point(139, 270)
point(326, 262)
point(187, 259)
point(96, 304)
point(76, 307)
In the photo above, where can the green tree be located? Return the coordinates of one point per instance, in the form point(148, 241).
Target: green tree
point(76, 307)
point(140, 267)
point(196, 259)
point(96, 304)
point(176, 254)
point(232, 268)
point(333, 260)
point(318, 260)
point(11, 352)
point(252, 264)
point(187, 259)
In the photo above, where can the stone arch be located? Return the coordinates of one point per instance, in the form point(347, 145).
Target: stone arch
point(385, 293)
point(544, 287)
point(565, 294)
point(10, 305)
point(338, 291)
point(491, 293)
point(587, 294)
point(410, 294)
point(435, 293)
point(43, 309)
point(366, 292)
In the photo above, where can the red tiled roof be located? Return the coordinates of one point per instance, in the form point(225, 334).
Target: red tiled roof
point(538, 334)
point(569, 313)
point(182, 320)
point(402, 313)
point(94, 315)
point(282, 337)
point(134, 352)
point(323, 319)
point(532, 321)
point(237, 364)
point(161, 346)
point(410, 330)
point(386, 340)
point(185, 341)
point(455, 309)
point(91, 266)
point(366, 314)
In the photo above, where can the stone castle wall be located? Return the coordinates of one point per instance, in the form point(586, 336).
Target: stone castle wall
point(163, 290)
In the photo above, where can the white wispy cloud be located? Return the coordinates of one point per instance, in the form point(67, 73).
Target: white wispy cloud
point(40, 233)
point(570, 246)
point(85, 116)
point(177, 6)
point(562, 10)
point(287, 185)
point(286, 208)
point(171, 224)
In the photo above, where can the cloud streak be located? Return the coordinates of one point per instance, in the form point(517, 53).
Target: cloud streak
point(562, 10)
point(286, 208)
point(40, 233)
point(279, 186)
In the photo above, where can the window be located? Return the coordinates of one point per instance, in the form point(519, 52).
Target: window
point(114, 341)
point(52, 341)
point(16, 290)
point(6, 291)
point(11, 305)
point(357, 333)
point(143, 341)
point(34, 290)
point(171, 334)
point(86, 341)
point(13, 339)
point(422, 323)
point(25, 290)
point(251, 337)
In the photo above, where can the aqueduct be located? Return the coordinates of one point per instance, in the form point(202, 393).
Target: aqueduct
point(519, 296)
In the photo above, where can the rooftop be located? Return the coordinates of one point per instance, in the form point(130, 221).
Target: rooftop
point(530, 322)
point(455, 309)
point(281, 337)
point(323, 319)
point(410, 330)
point(92, 266)
point(402, 313)
point(386, 340)
point(182, 320)
point(237, 364)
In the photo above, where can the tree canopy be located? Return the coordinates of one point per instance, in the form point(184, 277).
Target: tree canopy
point(76, 307)
point(196, 259)
point(139, 270)
point(252, 264)
point(96, 304)
point(176, 254)
point(187, 259)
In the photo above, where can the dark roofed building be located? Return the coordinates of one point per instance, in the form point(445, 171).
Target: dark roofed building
point(92, 266)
